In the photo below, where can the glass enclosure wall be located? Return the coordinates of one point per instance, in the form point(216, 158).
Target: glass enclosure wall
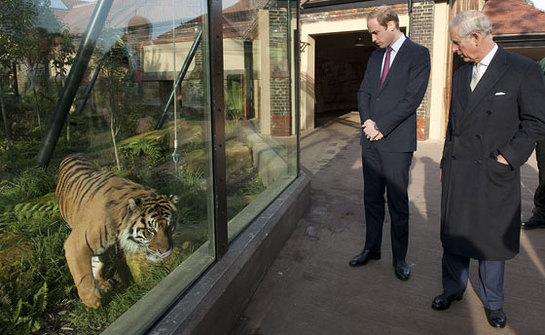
point(261, 141)
point(129, 128)
point(107, 200)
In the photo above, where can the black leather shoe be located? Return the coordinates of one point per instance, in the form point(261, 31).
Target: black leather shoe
point(443, 301)
point(496, 317)
point(364, 257)
point(402, 270)
point(533, 223)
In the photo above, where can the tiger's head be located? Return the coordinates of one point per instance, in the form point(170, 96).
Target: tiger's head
point(152, 221)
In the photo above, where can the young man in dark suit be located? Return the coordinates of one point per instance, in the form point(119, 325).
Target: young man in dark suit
point(393, 86)
point(496, 115)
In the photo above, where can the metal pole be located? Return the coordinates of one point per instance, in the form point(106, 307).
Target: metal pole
point(217, 107)
point(78, 69)
point(297, 69)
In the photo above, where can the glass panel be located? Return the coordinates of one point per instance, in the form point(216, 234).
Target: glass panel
point(134, 215)
point(261, 136)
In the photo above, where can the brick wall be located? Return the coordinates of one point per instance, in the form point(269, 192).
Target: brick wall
point(421, 32)
point(280, 81)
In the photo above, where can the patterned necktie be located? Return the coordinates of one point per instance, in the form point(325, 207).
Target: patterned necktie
point(476, 76)
point(386, 66)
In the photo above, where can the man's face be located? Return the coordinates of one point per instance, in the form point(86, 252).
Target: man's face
point(465, 47)
point(382, 36)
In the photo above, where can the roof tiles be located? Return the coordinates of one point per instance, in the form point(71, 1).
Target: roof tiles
point(514, 17)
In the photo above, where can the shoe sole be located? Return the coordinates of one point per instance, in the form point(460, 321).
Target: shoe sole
point(360, 264)
point(531, 228)
point(402, 278)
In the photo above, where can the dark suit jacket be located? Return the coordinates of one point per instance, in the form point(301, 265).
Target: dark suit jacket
point(393, 107)
point(480, 206)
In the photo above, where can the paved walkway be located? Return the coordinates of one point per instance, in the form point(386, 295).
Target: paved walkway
point(310, 289)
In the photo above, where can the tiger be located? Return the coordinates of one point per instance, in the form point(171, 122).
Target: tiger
point(104, 210)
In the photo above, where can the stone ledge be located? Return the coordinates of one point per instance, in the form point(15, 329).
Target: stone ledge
point(216, 301)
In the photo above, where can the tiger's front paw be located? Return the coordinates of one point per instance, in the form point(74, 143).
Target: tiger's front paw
point(91, 299)
point(104, 285)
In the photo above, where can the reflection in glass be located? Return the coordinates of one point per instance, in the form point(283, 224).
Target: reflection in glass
point(260, 121)
point(126, 123)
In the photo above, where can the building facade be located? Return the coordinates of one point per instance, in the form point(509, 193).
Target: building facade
point(335, 47)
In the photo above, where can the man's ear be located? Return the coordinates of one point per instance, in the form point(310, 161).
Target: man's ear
point(476, 38)
point(391, 25)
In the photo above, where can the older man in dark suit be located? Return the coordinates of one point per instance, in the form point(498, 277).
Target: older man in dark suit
point(394, 84)
point(496, 115)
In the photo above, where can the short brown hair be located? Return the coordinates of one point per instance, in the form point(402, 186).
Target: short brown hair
point(383, 15)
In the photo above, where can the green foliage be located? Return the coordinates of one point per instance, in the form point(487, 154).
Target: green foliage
point(30, 323)
point(39, 273)
point(143, 148)
point(25, 150)
point(16, 18)
point(242, 191)
point(40, 280)
point(252, 184)
point(42, 47)
point(32, 183)
point(114, 77)
point(30, 210)
point(233, 105)
point(192, 205)
point(233, 98)
point(46, 98)
point(63, 56)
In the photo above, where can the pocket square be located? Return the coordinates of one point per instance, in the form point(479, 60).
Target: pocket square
point(499, 93)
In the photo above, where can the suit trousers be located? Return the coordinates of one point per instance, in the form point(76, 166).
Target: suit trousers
point(539, 195)
point(386, 171)
point(456, 274)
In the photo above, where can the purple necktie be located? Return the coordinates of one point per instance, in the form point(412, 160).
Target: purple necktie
point(386, 66)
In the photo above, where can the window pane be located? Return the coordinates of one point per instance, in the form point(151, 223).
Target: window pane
point(134, 214)
point(260, 129)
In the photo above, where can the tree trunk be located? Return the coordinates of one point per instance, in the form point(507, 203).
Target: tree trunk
point(112, 123)
point(6, 126)
point(36, 108)
point(15, 80)
point(112, 132)
point(33, 79)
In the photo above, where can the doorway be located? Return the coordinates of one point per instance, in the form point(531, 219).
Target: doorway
point(341, 59)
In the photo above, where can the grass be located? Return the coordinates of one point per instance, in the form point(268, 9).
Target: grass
point(32, 282)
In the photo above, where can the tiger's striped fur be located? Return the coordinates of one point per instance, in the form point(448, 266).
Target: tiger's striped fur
point(102, 210)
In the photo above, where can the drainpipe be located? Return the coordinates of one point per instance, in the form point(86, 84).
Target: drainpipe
point(410, 8)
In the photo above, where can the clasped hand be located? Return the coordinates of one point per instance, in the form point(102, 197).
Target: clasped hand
point(370, 130)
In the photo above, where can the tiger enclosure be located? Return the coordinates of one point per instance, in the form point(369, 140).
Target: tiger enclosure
point(136, 104)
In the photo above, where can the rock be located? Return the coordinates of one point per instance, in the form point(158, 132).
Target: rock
point(145, 124)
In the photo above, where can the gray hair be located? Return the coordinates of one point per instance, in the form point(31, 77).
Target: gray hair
point(471, 21)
